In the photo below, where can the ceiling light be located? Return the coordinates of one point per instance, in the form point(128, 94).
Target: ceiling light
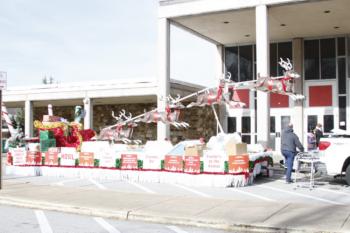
point(336, 27)
point(327, 11)
point(283, 25)
point(226, 22)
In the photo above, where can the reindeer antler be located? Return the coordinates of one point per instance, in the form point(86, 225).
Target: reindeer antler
point(114, 116)
point(287, 65)
point(122, 114)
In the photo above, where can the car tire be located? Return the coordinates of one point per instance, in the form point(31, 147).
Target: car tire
point(347, 175)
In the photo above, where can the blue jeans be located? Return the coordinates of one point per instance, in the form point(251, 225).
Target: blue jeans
point(289, 158)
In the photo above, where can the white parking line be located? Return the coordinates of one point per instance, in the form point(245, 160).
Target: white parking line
point(147, 190)
point(193, 191)
point(334, 191)
point(301, 195)
point(43, 223)
point(65, 181)
point(100, 186)
point(176, 229)
point(318, 188)
point(108, 227)
point(251, 194)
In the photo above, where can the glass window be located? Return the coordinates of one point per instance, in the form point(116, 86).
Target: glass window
point(348, 40)
point(284, 52)
point(311, 59)
point(272, 124)
point(342, 112)
point(245, 124)
point(311, 122)
point(231, 62)
point(245, 63)
point(273, 60)
point(246, 139)
point(341, 76)
point(231, 124)
point(328, 121)
point(341, 46)
point(328, 59)
point(285, 120)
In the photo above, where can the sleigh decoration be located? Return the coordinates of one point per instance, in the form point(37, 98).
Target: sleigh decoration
point(169, 116)
point(122, 131)
point(222, 94)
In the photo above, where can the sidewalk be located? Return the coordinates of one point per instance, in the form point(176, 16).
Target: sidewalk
point(204, 212)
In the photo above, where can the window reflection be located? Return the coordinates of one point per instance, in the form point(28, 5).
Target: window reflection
point(328, 121)
point(328, 59)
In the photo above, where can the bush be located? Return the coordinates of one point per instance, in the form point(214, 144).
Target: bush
point(117, 163)
point(96, 162)
point(226, 166)
point(139, 164)
point(162, 164)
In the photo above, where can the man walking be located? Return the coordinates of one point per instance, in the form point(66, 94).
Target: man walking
point(289, 143)
point(318, 133)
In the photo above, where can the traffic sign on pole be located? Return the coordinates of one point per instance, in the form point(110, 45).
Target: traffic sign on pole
point(3, 85)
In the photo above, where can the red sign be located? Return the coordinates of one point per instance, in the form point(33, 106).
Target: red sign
point(129, 161)
point(86, 159)
point(314, 96)
point(173, 163)
point(33, 158)
point(238, 163)
point(192, 164)
point(241, 96)
point(279, 101)
point(51, 158)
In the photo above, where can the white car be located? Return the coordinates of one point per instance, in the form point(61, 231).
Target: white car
point(334, 152)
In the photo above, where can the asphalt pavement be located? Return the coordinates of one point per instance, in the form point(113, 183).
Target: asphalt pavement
point(269, 205)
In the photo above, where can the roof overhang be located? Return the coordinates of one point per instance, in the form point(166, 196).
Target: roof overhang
point(287, 20)
point(71, 94)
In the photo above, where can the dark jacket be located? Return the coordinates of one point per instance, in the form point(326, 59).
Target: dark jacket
point(290, 141)
point(319, 135)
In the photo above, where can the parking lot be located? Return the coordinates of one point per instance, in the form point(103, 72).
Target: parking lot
point(326, 191)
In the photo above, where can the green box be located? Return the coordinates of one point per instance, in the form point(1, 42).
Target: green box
point(46, 134)
point(45, 144)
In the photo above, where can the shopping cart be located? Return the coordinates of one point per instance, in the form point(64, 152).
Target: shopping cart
point(305, 163)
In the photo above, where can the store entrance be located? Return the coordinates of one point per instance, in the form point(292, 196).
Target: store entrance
point(278, 122)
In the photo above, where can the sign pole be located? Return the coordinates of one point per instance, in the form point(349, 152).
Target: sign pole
point(1, 141)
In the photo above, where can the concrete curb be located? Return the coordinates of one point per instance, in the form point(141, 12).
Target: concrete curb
point(129, 215)
point(121, 215)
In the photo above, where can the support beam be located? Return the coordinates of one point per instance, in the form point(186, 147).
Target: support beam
point(28, 118)
point(163, 130)
point(219, 74)
point(262, 65)
point(88, 108)
point(298, 116)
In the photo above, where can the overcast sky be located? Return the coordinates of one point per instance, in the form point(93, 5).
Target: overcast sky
point(77, 40)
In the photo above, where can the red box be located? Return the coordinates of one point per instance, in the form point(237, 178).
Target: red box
point(33, 158)
point(173, 163)
point(86, 159)
point(129, 161)
point(238, 163)
point(192, 164)
point(51, 158)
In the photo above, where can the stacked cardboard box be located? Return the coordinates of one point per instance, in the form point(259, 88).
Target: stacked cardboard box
point(47, 140)
point(194, 150)
point(238, 158)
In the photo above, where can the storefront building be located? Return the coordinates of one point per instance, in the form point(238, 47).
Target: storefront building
point(99, 99)
point(251, 37)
